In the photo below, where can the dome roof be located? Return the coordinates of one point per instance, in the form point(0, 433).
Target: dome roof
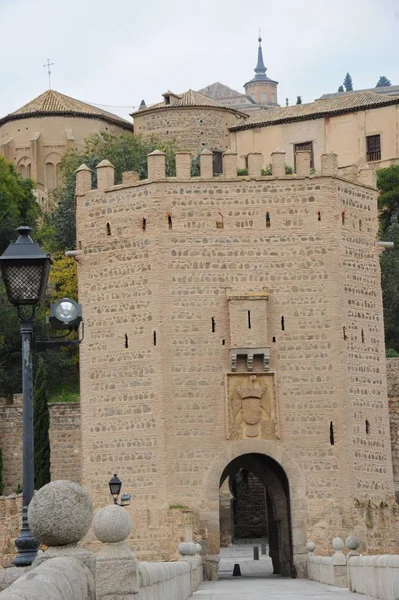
point(54, 104)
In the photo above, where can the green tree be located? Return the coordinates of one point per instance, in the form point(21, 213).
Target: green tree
point(348, 84)
point(383, 82)
point(341, 88)
point(299, 99)
point(41, 425)
point(18, 204)
point(388, 200)
point(388, 204)
point(390, 292)
point(126, 153)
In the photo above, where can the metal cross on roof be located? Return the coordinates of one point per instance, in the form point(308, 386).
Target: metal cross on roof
point(48, 65)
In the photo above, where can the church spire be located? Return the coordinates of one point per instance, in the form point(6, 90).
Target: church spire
point(260, 68)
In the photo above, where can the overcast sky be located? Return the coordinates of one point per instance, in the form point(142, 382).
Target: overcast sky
point(116, 53)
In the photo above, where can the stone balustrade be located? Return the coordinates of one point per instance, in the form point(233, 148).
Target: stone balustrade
point(60, 515)
point(328, 569)
point(376, 577)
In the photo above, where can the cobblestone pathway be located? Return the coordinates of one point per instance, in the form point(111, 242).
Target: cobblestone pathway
point(257, 581)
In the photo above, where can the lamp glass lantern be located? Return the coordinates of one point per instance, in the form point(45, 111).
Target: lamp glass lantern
point(115, 486)
point(25, 269)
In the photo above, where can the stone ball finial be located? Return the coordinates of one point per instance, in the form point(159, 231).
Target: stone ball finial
point(112, 524)
point(187, 549)
point(199, 548)
point(338, 544)
point(60, 513)
point(352, 542)
point(311, 546)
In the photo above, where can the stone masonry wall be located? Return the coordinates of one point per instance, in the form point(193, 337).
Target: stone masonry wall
point(10, 524)
point(250, 512)
point(393, 397)
point(156, 352)
point(65, 442)
point(193, 128)
point(11, 442)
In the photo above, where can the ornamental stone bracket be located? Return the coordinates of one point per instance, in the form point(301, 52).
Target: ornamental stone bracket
point(249, 353)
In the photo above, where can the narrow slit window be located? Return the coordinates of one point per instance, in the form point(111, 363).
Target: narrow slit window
point(170, 221)
point(360, 225)
point(267, 219)
point(331, 433)
point(144, 225)
point(249, 319)
point(367, 427)
point(344, 332)
point(274, 340)
point(126, 341)
point(154, 337)
point(343, 218)
point(362, 336)
point(319, 216)
point(282, 324)
point(223, 342)
point(213, 325)
point(108, 229)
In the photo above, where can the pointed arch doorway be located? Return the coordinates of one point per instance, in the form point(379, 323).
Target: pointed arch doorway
point(282, 479)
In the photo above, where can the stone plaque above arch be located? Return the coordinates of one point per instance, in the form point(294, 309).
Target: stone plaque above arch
point(250, 406)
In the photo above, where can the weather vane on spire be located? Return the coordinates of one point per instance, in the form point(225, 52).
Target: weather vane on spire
point(48, 65)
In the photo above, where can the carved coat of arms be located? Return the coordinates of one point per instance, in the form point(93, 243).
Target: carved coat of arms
point(252, 408)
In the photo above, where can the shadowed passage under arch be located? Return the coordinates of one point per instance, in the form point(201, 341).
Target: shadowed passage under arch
point(274, 517)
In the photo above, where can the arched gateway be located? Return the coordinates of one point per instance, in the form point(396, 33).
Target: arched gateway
point(285, 485)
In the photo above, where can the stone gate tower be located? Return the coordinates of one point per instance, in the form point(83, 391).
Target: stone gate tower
point(235, 321)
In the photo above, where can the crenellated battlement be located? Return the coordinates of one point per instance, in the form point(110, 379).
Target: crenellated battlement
point(156, 162)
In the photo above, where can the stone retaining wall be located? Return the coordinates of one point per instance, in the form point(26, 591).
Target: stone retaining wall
point(10, 523)
point(65, 442)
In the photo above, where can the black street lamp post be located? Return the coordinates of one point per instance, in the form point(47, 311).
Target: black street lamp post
point(25, 270)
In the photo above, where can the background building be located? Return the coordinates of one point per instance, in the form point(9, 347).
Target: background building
point(362, 128)
point(193, 120)
point(36, 136)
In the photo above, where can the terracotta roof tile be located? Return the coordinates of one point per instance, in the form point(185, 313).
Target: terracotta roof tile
point(53, 103)
point(189, 98)
point(316, 110)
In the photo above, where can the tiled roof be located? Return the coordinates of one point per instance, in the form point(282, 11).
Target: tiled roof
point(189, 98)
point(229, 97)
point(315, 110)
point(52, 103)
point(389, 90)
point(218, 91)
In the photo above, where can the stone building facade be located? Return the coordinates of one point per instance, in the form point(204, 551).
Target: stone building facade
point(37, 135)
point(361, 128)
point(192, 119)
point(236, 322)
